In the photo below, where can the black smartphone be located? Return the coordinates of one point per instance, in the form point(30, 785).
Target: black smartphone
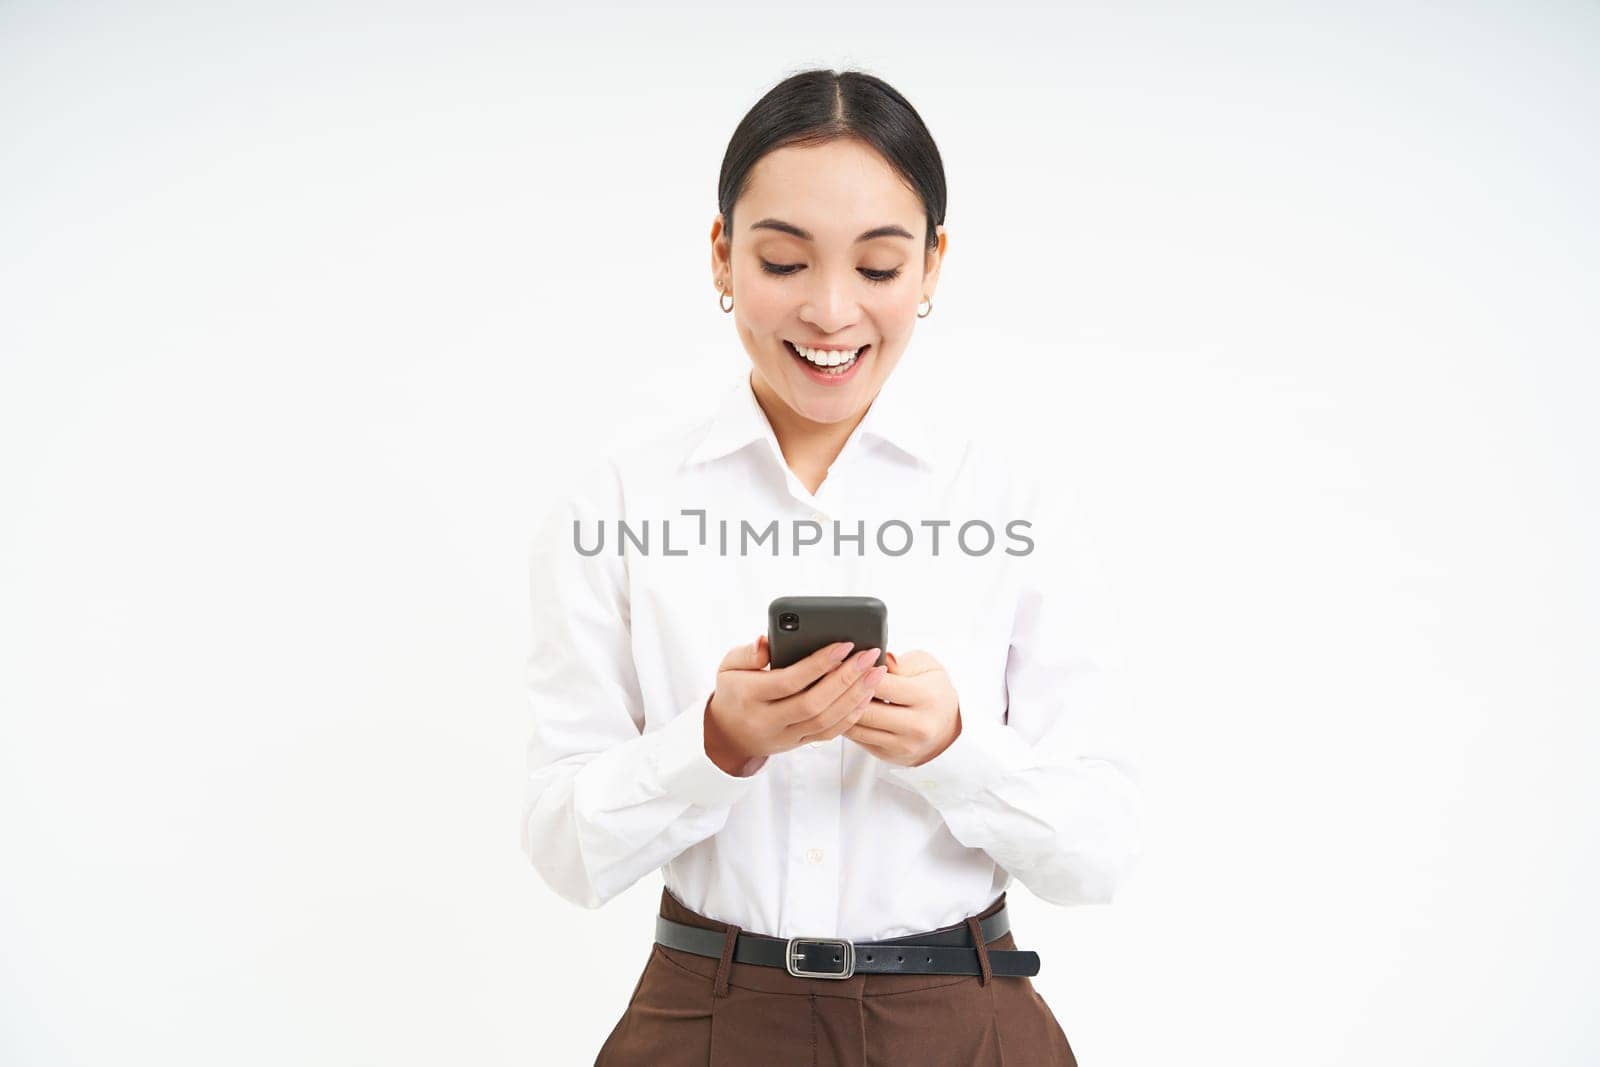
point(799, 625)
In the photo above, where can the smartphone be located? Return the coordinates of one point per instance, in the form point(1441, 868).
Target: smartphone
point(799, 625)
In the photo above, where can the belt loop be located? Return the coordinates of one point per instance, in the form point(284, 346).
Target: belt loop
point(984, 974)
point(719, 987)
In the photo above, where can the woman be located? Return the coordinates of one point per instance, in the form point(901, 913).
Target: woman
point(800, 814)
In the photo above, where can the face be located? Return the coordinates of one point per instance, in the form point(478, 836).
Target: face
point(801, 277)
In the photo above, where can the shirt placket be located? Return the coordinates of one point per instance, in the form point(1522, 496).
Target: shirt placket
point(816, 775)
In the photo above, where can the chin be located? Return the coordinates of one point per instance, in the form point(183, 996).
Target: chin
point(827, 409)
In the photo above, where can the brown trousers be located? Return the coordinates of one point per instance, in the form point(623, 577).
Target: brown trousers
point(688, 1009)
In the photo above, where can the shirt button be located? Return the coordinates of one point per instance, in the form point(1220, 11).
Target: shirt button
point(813, 855)
point(819, 516)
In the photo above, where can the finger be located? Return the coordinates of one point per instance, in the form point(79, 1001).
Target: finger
point(889, 718)
point(744, 658)
point(764, 648)
point(917, 662)
point(859, 691)
point(792, 679)
point(843, 724)
point(842, 683)
point(899, 689)
point(871, 736)
point(833, 687)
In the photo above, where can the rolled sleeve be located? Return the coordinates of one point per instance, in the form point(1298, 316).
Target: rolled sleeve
point(983, 753)
point(682, 768)
point(606, 800)
point(1052, 791)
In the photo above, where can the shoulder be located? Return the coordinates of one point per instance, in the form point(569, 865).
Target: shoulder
point(1004, 467)
point(1031, 486)
point(585, 484)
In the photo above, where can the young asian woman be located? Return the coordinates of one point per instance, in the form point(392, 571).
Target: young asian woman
point(836, 839)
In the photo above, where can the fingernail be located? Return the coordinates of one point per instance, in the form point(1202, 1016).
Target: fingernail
point(841, 650)
point(866, 657)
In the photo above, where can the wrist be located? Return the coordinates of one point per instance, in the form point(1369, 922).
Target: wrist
point(949, 740)
point(721, 751)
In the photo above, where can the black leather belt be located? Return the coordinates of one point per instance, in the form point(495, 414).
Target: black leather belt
point(936, 952)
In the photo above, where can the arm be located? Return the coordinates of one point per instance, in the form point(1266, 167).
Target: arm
point(1052, 793)
point(605, 802)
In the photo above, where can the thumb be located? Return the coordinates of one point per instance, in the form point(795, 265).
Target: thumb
point(751, 657)
point(917, 661)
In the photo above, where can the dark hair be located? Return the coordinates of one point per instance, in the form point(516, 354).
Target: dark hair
point(817, 106)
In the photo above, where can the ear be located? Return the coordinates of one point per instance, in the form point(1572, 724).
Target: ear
point(720, 251)
point(932, 262)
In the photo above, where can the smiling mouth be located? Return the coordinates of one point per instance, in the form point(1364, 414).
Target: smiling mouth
point(828, 364)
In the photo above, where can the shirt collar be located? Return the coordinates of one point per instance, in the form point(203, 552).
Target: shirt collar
point(893, 417)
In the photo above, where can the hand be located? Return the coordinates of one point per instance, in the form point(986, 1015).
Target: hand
point(915, 716)
point(756, 712)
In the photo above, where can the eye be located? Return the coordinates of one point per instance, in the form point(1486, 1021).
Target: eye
point(877, 277)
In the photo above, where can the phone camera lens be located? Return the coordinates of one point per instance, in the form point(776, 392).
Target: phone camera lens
point(788, 621)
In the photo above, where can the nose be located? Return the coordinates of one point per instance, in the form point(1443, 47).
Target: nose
point(831, 302)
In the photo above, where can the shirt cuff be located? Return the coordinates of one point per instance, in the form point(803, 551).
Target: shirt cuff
point(682, 767)
point(984, 752)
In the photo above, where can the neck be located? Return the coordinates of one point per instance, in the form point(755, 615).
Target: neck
point(809, 448)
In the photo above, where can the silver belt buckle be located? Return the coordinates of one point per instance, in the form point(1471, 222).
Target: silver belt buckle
point(836, 957)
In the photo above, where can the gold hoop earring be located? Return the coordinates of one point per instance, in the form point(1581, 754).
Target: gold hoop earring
point(925, 314)
point(729, 305)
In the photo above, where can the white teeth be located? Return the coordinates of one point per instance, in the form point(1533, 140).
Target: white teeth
point(824, 358)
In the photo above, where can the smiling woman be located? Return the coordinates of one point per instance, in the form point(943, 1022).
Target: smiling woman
point(837, 835)
point(845, 192)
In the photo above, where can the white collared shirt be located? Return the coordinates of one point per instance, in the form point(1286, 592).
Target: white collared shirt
point(826, 839)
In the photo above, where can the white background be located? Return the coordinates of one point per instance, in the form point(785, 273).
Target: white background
point(304, 311)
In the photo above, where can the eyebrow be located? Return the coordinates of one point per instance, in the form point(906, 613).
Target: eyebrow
point(805, 235)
